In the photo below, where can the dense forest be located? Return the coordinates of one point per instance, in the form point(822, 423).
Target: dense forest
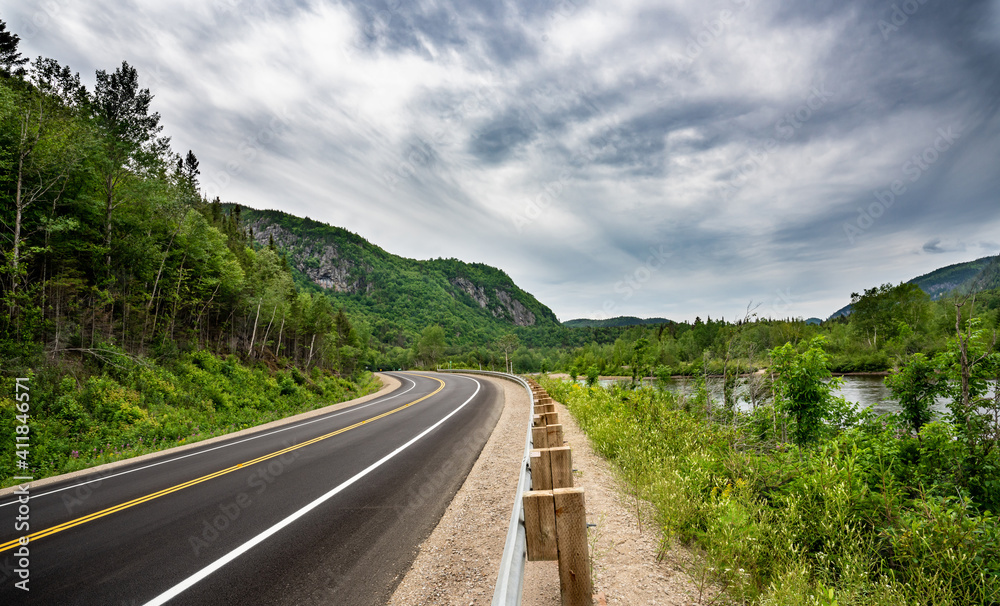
point(140, 312)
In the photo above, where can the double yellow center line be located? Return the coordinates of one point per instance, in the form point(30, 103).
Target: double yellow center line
point(123, 506)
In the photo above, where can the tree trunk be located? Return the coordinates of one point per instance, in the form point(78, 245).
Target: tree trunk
point(311, 343)
point(263, 342)
point(253, 336)
point(280, 332)
point(177, 297)
point(109, 191)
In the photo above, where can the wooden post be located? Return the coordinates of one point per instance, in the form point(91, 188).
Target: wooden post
point(538, 421)
point(541, 469)
point(552, 418)
point(540, 525)
point(561, 460)
point(575, 583)
point(539, 437)
point(555, 436)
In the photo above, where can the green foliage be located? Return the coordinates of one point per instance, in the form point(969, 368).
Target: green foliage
point(431, 345)
point(881, 313)
point(802, 389)
point(915, 386)
point(866, 516)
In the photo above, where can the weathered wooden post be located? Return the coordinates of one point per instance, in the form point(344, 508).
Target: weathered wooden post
point(541, 470)
point(575, 584)
point(540, 525)
point(561, 460)
point(539, 437)
point(555, 435)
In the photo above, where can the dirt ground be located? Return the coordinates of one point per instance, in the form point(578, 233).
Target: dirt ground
point(457, 565)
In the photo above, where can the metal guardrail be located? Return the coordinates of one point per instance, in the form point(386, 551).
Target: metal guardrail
point(510, 579)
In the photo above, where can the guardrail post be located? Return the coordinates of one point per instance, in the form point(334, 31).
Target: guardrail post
point(575, 583)
point(539, 437)
point(541, 469)
point(561, 460)
point(540, 525)
point(549, 522)
point(554, 438)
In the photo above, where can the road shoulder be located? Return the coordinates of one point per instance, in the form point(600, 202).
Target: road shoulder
point(457, 564)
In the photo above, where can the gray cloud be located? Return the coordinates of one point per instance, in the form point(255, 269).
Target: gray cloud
point(565, 141)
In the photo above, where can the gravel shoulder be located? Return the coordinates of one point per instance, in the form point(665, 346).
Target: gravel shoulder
point(458, 563)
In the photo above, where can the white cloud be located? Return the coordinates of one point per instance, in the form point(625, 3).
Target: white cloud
point(431, 128)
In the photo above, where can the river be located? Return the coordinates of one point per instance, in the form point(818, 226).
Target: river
point(866, 391)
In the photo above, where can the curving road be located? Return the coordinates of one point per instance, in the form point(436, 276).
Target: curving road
point(325, 511)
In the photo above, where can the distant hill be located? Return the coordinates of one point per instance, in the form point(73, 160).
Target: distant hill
point(982, 274)
point(397, 296)
point(614, 322)
point(940, 282)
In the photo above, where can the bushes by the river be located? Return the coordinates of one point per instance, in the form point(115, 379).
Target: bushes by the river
point(868, 514)
point(130, 407)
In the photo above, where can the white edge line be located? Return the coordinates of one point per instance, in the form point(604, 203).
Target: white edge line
point(198, 452)
point(187, 583)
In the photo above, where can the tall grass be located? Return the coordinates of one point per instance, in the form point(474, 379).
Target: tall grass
point(869, 516)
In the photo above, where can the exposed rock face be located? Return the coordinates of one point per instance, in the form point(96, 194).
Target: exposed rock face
point(323, 265)
point(518, 313)
point(509, 308)
point(478, 293)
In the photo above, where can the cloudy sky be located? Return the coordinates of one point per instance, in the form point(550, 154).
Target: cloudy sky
point(654, 158)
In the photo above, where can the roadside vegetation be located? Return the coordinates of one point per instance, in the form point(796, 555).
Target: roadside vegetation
point(801, 499)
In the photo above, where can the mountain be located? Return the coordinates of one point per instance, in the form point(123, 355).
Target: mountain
point(982, 274)
point(397, 296)
point(614, 322)
point(988, 278)
point(940, 282)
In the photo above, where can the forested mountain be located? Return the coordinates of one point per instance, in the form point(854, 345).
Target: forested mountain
point(614, 322)
point(398, 297)
point(940, 282)
point(984, 274)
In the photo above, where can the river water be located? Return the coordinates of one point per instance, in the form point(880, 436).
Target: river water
point(866, 391)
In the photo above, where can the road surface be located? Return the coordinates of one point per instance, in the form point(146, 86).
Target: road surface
point(325, 511)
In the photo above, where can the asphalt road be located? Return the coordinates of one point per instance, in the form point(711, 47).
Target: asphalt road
point(326, 511)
